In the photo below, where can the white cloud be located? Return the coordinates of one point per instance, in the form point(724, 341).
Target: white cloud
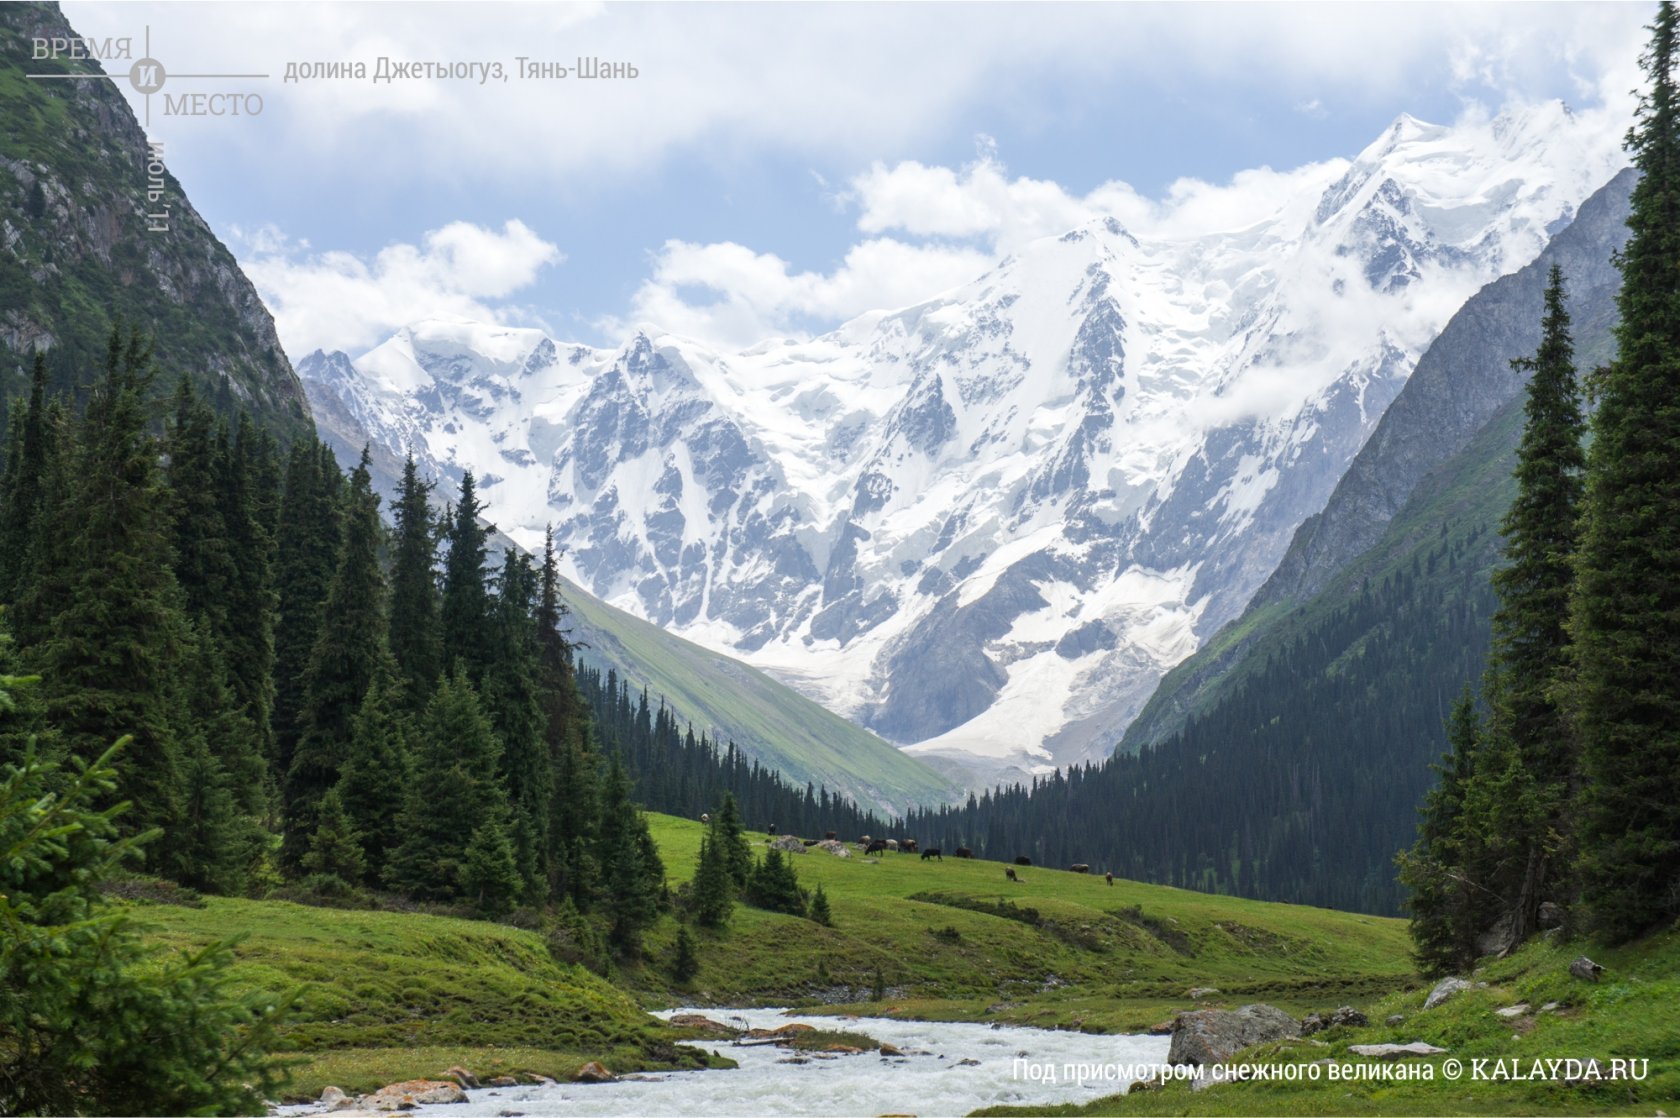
point(731, 296)
point(337, 300)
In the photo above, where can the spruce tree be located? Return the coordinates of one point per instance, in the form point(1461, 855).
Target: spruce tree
point(730, 835)
point(20, 492)
point(248, 639)
point(685, 960)
point(632, 877)
point(775, 886)
point(712, 893)
point(572, 798)
point(334, 857)
point(490, 878)
point(456, 788)
point(1526, 775)
point(374, 777)
point(348, 650)
point(464, 613)
point(112, 647)
point(306, 556)
point(1626, 610)
point(1447, 907)
point(820, 912)
point(204, 566)
point(414, 620)
point(513, 697)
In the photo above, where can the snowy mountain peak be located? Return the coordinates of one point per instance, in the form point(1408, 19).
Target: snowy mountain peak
point(986, 524)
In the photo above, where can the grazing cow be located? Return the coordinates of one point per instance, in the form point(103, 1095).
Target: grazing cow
point(865, 840)
point(705, 817)
point(892, 844)
point(908, 846)
point(772, 828)
point(1022, 860)
point(964, 852)
point(1080, 867)
point(1009, 872)
point(877, 846)
point(932, 852)
point(829, 835)
point(1110, 877)
point(809, 842)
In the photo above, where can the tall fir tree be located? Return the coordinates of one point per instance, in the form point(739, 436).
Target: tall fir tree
point(513, 696)
point(464, 612)
point(306, 556)
point(456, 789)
point(348, 650)
point(248, 639)
point(414, 592)
point(730, 834)
point(572, 796)
point(632, 877)
point(1626, 616)
point(1527, 772)
point(1447, 908)
point(712, 892)
point(204, 565)
point(375, 774)
point(20, 491)
point(112, 647)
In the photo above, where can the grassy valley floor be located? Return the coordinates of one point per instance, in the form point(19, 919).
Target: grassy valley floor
point(384, 996)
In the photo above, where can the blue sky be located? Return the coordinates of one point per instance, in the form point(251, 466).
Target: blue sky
point(776, 169)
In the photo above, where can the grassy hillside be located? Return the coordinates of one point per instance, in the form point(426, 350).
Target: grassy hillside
point(1104, 958)
point(767, 719)
point(386, 996)
point(1629, 1015)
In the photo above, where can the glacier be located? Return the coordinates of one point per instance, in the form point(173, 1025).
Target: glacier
point(984, 526)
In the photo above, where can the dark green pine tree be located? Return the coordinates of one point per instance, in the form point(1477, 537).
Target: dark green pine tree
point(464, 613)
point(1447, 908)
point(204, 565)
point(775, 886)
point(43, 570)
point(306, 555)
point(712, 893)
point(112, 650)
point(1528, 771)
point(513, 697)
point(20, 490)
point(414, 592)
point(820, 912)
point(348, 651)
point(729, 834)
point(573, 800)
point(456, 788)
point(632, 878)
point(490, 877)
point(1626, 619)
point(374, 777)
point(248, 640)
point(335, 854)
point(685, 960)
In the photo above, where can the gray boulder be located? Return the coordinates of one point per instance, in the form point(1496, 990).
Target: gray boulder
point(1444, 989)
point(1395, 1051)
point(1584, 967)
point(1345, 1016)
point(790, 844)
point(1210, 1036)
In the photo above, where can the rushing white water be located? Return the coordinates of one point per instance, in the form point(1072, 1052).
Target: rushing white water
point(1019, 1066)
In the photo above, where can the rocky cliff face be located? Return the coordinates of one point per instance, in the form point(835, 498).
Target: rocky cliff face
point(1462, 383)
point(984, 526)
point(78, 251)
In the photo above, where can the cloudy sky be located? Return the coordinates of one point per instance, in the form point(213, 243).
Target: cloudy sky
point(776, 169)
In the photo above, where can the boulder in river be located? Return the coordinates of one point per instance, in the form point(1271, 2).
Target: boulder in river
point(416, 1092)
point(462, 1076)
point(593, 1072)
point(1211, 1036)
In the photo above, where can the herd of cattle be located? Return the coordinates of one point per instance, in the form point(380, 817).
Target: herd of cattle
point(872, 845)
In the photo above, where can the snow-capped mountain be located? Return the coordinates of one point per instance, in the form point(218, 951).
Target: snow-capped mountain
point(985, 526)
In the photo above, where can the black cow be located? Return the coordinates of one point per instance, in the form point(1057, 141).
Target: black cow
point(1022, 860)
point(1010, 874)
point(809, 842)
point(1080, 867)
point(1110, 877)
point(907, 846)
point(964, 852)
point(877, 846)
point(932, 852)
point(829, 835)
point(772, 829)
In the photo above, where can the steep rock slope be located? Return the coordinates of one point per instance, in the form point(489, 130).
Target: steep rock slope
point(1461, 384)
point(77, 251)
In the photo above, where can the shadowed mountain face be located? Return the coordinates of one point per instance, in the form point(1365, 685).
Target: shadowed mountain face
point(985, 526)
point(94, 228)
